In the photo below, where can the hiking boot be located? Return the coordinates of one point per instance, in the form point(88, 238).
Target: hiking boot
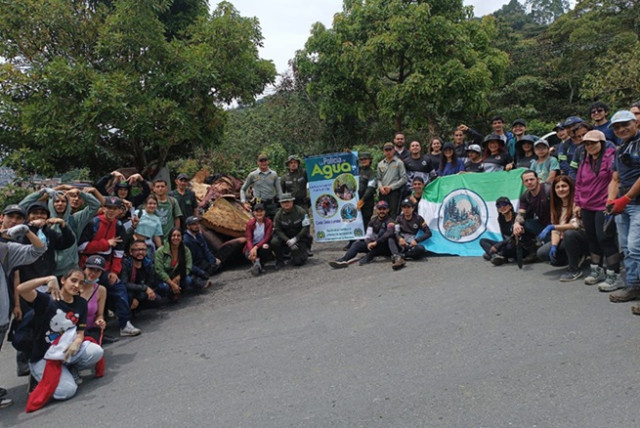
point(76, 375)
point(570, 275)
point(486, 256)
point(366, 259)
point(612, 282)
point(625, 295)
point(256, 268)
point(398, 263)
point(129, 330)
point(498, 260)
point(596, 276)
point(338, 264)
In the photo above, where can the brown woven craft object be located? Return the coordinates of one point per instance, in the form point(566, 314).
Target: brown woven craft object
point(226, 216)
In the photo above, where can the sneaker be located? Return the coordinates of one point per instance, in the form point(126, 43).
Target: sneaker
point(612, 282)
point(625, 295)
point(256, 268)
point(635, 309)
point(398, 263)
point(498, 260)
point(76, 375)
point(596, 275)
point(486, 256)
point(5, 402)
point(366, 260)
point(279, 264)
point(338, 264)
point(129, 330)
point(570, 276)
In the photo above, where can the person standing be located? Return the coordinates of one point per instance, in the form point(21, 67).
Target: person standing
point(366, 187)
point(295, 181)
point(186, 199)
point(398, 143)
point(265, 185)
point(168, 208)
point(391, 178)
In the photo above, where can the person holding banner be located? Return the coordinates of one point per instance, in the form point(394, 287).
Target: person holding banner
point(498, 252)
point(391, 177)
point(366, 187)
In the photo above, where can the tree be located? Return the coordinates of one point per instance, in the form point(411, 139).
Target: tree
point(547, 11)
point(100, 84)
point(398, 64)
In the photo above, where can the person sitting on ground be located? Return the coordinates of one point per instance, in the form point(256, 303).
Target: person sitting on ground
point(103, 237)
point(568, 240)
point(524, 151)
point(291, 228)
point(173, 265)
point(499, 252)
point(59, 349)
point(496, 157)
point(376, 242)
point(96, 297)
point(258, 234)
point(545, 165)
point(449, 162)
point(205, 263)
point(411, 230)
point(592, 183)
point(474, 159)
point(534, 213)
point(139, 276)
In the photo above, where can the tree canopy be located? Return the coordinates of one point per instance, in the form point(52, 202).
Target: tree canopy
point(105, 83)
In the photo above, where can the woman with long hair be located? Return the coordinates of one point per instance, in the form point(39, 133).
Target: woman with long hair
point(173, 265)
point(592, 183)
point(568, 243)
point(434, 150)
point(496, 157)
point(258, 233)
point(449, 162)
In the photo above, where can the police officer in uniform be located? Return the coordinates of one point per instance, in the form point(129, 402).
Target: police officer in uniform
point(266, 187)
point(291, 229)
point(295, 181)
point(366, 187)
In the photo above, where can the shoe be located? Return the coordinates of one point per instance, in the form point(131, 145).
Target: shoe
point(365, 260)
point(486, 256)
point(5, 402)
point(129, 330)
point(76, 375)
point(530, 258)
point(31, 385)
point(570, 276)
point(256, 268)
point(23, 369)
point(338, 264)
point(612, 282)
point(596, 275)
point(625, 295)
point(635, 309)
point(106, 339)
point(279, 264)
point(498, 260)
point(309, 253)
point(398, 263)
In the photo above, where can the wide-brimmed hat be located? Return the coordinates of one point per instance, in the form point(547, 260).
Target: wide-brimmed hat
point(286, 197)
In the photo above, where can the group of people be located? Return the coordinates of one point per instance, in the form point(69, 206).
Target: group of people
point(70, 256)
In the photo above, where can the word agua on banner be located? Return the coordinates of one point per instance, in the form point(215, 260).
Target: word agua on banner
point(333, 188)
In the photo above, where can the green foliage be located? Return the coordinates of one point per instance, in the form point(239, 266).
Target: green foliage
point(12, 194)
point(102, 84)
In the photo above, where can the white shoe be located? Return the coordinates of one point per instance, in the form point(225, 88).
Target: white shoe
point(612, 282)
point(129, 330)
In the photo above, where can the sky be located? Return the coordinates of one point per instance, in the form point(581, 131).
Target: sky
point(286, 24)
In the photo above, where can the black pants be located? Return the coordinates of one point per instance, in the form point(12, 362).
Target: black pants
point(571, 248)
point(407, 251)
point(298, 257)
point(393, 199)
point(601, 243)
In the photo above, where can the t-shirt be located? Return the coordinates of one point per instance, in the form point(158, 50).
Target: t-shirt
point(497, 162)
point(149, 225)
point(627, 163)
point(52, 318)
point(168, 211)
point(538, 206)
point(543, 169)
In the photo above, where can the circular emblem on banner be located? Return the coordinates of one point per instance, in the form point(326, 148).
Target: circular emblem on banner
point(463, 216)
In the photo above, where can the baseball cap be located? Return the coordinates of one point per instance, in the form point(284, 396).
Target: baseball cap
point(387, 146)
point(192, 220)
point(112, 201)
point(14, 209)
point(519, 122)
point(97, 262)
point(406, 203)
point(182, 176)
point(594, 135)
point(474, 148)
point(382, 204)
point(541, 141)
point(622, 116)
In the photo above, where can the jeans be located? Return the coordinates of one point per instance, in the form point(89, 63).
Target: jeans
point(88, 355)
point(118, 298)
point(628, 224)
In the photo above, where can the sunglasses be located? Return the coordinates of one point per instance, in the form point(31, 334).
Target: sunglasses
point(502, 204)
point(388, 149)
point(597, 110)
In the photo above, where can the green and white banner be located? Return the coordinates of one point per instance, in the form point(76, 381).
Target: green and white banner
point(333, 188)
point(460, 209)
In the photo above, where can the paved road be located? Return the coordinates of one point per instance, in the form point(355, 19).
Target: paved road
point(450, 342)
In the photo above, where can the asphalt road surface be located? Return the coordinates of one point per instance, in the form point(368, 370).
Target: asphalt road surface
point(448, 342)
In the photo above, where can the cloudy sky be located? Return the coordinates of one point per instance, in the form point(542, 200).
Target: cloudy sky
point(286, 23)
